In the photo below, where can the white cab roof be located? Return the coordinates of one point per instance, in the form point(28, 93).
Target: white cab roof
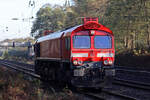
point(55, 35)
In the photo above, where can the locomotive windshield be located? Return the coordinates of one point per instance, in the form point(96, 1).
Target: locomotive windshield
point(102, 42)
point(81, 42)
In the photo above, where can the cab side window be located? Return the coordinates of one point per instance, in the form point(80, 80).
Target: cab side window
point(67, 43)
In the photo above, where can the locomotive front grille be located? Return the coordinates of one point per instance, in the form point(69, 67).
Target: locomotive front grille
point(91, 77)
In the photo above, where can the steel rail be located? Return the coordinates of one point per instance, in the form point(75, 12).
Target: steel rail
point(95, 96)
point(131, 69)
point(28, 69)
point(118, 95)
point(129, 83)
point(19, 63)
point(134, 71)
point(21, 69)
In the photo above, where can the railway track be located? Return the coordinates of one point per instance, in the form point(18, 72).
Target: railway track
point(137, 90)
point(130, 83)
point(29, 69)
point(94, 96)
point(20, 67)
point(132, 69)
point(107, 94)
point(118, 95)
point(142, 77)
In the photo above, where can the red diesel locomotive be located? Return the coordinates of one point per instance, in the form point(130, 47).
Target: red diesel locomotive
point(82, 55)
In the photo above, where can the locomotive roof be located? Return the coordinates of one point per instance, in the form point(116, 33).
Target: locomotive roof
point(56, 34)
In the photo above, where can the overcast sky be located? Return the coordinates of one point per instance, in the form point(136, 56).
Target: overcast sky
point(19, 9)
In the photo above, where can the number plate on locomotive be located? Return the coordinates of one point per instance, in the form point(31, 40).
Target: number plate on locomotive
point(110, 72)
point(79, 72)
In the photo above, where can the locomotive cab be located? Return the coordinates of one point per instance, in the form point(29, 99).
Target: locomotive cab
point(98, 47)
point(92, 56)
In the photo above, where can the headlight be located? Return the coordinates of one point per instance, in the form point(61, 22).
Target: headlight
point(80, 62)
point(110, 62)
point(75, 62)
point(105, 62)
